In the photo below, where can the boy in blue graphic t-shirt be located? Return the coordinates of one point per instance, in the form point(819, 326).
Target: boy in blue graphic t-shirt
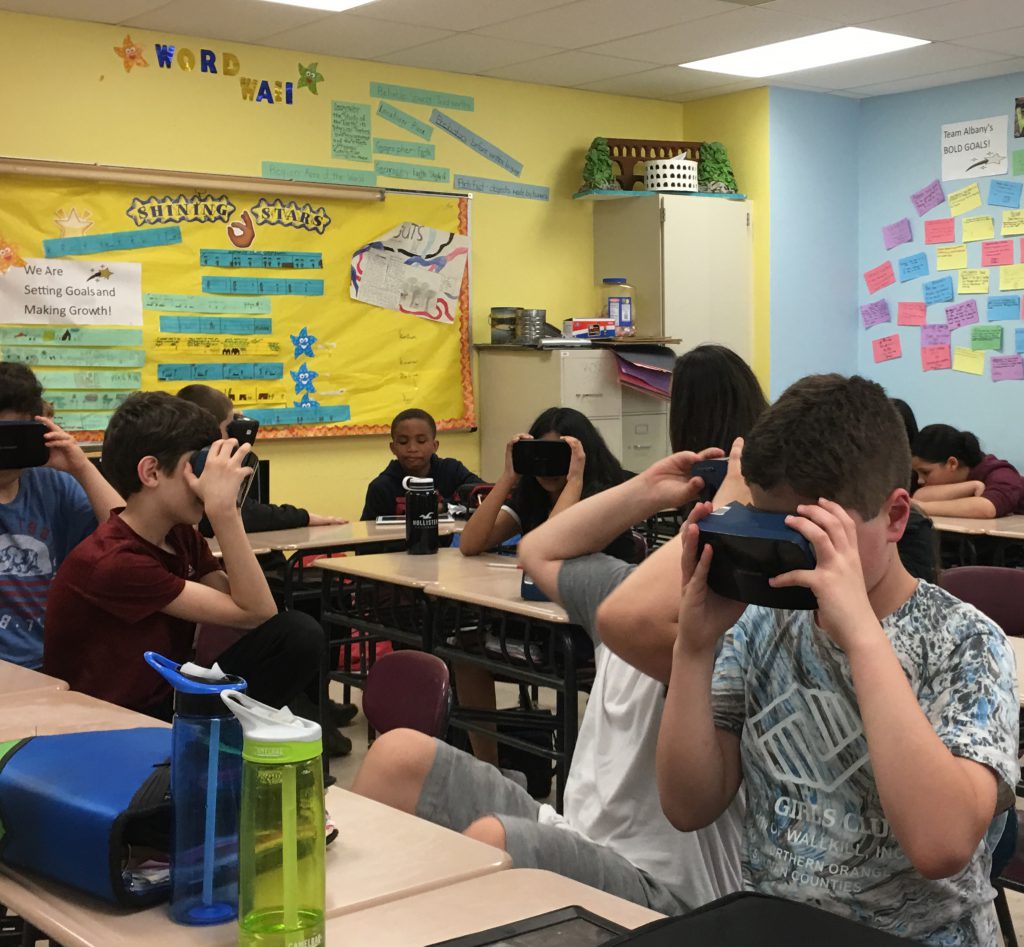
point(876, 737)
point(44, 513)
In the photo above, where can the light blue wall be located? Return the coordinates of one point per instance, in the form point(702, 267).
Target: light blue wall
point(900, 152)
point(813, 178)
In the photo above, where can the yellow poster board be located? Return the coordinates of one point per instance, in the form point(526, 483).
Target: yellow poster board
point(111, 287)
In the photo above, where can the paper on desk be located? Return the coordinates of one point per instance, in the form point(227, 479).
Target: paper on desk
point(412, 269)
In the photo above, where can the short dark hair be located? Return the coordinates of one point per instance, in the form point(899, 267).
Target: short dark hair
point(909, 419)
point(936, 443)
point(209, 399)
point(715, 399)
point(834, 437)
point(413, 414)
point(153, 424)
point(20, 390)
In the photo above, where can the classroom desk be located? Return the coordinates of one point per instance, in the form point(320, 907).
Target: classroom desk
point(216, 550)
point(961, 525)
point(380, 855)
point(1006, 527)
point(460, 909)
point(16, 680)
point(1018, 652)
point(39, 713)
point(419, 572)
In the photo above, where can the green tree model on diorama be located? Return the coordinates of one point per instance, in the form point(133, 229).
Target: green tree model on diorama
point(598, 170)
point(714, 173)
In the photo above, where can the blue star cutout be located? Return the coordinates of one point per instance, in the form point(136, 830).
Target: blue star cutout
point(303, 343)
point(306, 402)
point(303, 378)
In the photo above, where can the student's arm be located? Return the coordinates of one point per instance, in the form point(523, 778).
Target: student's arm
point(638, 621)
point(591, 524)
point(247, 602)
point(950, 491)
point(490, 525)
point(921, 784)
point(573, 489)
point(698, 764)
point(980, 508)
point(66, 455)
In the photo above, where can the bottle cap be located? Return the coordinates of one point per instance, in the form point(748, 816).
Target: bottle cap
point(426, 484)
point(197, 689)
point(615, 279)
point(271, 735)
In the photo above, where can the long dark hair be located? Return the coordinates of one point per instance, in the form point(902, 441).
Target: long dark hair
point(715, 399)
point(936, 443)
point(601, 471)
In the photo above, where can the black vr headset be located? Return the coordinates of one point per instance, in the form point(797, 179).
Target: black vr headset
point(751, 547)
point(541, 458)
point(250, 461)
point(22, 445)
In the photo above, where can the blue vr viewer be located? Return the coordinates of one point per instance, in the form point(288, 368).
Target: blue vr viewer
point(750, 547)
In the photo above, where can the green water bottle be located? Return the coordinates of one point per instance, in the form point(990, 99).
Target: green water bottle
point(281, 832)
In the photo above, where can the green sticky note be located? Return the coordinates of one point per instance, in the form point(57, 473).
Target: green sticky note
point(68, 335)
point(402, 149)
point(404, 93)
point(411, 172)
point(87, 400)
point(98, 358)
point(315, 174)
point(119, 381)
point(83, 420)
point(410, 123)
point(177, 302)
point(1018, 162)
point(350, 131)
point(987, 338)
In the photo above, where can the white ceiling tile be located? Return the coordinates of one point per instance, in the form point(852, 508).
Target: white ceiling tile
point(569, 68)
point(665, 82)
point(851, 11)
point(712, 36)
point(587, 22)
point(357, 37)
point(1010, 42)
point(955, 20)
point(241, 21)
point(454, 15)
point(739, 86)
point(96, 11)
point(985, 71)
point(469, 53)
point(919, 61)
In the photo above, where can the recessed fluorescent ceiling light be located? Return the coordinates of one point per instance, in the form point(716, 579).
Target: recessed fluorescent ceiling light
point(806, 52)
point(334, 6)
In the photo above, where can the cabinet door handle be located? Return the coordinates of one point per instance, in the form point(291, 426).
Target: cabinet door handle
point(589, 394)
point(641, 446)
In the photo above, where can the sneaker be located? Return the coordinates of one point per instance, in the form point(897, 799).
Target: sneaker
point(341, 715)
point(336, 743)
point(330, 829)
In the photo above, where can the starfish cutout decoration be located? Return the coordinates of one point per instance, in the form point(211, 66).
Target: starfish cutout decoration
point(9, 256)
point(306, 402)
point(131, 55)
point(303, 378)
point(309, 76)
point(73, 224)
point(303, 343)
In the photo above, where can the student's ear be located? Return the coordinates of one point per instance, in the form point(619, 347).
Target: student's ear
point(897, 511)
point(391, 444)
point(952, 463)
point(436, 444)
point(148, 470)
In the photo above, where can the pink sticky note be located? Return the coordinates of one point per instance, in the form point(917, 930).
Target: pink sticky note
point(880, 277)
point(1007, 367)
point(942, 230)
point(911, 314)
point(874, 313)
point(934, 335)
point(997, 253)
point(929, 196)
point(962, 314)
point(897, 233)
point(886, 348)
point(934, 357)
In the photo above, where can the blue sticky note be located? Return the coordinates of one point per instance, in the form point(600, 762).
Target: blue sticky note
point(254, 286)
point(1005, 193)
point(1018, 339)
point(107, 242)
point(261, 259)
point(173, 372)
point(268, 370)
point(262, 326)
point(1003, 308)
point(530, 192)
point(176, 302)
point(472, 140)
point(321, 415)
point(316, 174)
point(938, 290)
point(411, 172)
point(911, 267)
point(410, 123)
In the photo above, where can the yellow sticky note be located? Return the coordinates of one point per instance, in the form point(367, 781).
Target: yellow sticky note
point(973, 281)
point(1011, 277)
point(1013, 222)
point(967, 198)
point(951, 258)
point(978, 228)
point(966, 360)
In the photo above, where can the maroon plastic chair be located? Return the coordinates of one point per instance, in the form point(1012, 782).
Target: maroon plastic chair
point(994, 590)
point(408, 689)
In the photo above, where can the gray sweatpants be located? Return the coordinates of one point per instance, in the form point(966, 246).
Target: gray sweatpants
point(459, 789)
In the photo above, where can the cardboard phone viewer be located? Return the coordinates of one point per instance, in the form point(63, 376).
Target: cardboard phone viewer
point(541, 458)
point(250, 461)
point(750, 547)
point(22, 445)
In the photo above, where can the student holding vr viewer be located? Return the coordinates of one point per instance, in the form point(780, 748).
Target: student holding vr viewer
point(51, 498)
point(876, 736)
point(146, 578)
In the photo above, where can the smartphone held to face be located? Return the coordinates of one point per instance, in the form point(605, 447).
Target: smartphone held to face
point(22, 444)
point(712, 472)
point(243, 429)
point(539, 458)
point(250, 461)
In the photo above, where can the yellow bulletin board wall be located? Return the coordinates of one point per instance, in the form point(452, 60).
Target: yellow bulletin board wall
point(305, 365)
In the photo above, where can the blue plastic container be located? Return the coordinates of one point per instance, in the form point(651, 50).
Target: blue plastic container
point(206, 782)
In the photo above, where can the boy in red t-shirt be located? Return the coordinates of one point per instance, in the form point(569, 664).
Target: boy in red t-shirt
point(145, 578)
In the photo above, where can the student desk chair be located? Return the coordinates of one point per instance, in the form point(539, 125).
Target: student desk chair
point(16, 680)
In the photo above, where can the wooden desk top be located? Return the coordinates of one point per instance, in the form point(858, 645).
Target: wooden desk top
point(44, 712)
point(498, 588)
point(18, 680)
point(1006, 527)
point(418, 572)
point(962, 525)
point(348, 535)
point(459, 909)
point(1018, 652)
point(380, 855)
point(216, 550)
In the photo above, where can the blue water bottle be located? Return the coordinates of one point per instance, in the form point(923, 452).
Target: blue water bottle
point(206, 782)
